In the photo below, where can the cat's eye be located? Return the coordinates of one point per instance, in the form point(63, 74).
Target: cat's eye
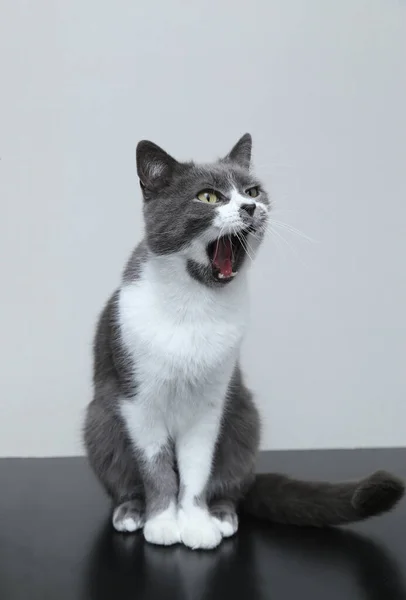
point(253, 192)
point(208, 196)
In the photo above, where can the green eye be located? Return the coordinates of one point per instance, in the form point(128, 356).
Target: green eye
point(253, 192)
point(208, 197)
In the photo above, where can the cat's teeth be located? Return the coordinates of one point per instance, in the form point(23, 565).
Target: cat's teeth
point(234, 273)
point(220, 276)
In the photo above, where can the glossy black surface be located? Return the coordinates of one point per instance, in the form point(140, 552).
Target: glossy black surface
point(56, 542)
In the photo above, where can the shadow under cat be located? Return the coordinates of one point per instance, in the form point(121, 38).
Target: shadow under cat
point(262, 562)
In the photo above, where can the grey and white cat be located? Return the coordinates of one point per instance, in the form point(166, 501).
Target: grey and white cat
point(172, 431)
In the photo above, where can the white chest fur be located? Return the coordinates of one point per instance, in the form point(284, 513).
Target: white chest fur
point(177, 328)
point(184, 337)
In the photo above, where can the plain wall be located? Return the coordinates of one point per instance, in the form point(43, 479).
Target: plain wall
point(322, 88)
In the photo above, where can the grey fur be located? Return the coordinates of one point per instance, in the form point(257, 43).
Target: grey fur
point(173, 221)
point(109, 448)
point(241, 153)
point(112, 362)
point(225, 511)
point(319, 504)
point(169, 225)
point(129, 516)
point(160, 481)
point(135, 263)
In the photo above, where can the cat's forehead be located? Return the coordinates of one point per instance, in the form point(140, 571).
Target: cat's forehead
point(221, 176)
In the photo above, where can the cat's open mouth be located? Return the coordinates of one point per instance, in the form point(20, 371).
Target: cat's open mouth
point(226, 256)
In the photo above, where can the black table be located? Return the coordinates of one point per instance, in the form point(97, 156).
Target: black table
point(56, 542)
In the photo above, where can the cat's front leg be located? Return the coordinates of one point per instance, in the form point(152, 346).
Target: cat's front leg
point(161, 487)
point(195, 449)
point(156, 460)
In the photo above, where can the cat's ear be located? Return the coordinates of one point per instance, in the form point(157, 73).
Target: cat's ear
point(241, 152)
point(154, 166)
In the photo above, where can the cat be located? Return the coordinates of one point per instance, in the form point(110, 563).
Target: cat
point(172, 431)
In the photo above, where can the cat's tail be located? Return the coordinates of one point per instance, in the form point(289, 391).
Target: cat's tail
point(281, 499)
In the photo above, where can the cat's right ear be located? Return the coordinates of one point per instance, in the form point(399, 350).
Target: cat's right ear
point(241, 152)
point(154, 167)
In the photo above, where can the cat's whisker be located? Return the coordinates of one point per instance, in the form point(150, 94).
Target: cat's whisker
point(292, 248)
point(232, 250)
point(293, 230)
point(219, 237)
point(250, 247)
point(280, 237)
point(277, 209)
point(247, 247)
point(278, 245)
point(261, 231)
point(243, 241)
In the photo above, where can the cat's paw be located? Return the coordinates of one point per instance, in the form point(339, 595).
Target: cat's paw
point(198, 530)
point(128, 517)
point(227, 522)
point(162, 530)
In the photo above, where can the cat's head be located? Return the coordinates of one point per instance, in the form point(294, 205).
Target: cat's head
point(213, 215)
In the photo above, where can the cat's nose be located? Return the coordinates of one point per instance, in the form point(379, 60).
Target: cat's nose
point(249, 208)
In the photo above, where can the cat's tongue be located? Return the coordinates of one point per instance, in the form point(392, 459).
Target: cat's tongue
point(223, 257)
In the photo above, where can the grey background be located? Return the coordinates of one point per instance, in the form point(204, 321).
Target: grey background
point(322, 88)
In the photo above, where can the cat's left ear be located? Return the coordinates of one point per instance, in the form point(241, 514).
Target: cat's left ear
point(154, 166)
point(241, 152)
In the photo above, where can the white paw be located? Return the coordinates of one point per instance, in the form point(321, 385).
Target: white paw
point(126, 519)
point(227, 527)
point(198, 529)
point(163, 531)
point(128, 524)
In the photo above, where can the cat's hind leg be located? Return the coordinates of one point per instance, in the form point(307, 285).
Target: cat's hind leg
point(114, 462)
